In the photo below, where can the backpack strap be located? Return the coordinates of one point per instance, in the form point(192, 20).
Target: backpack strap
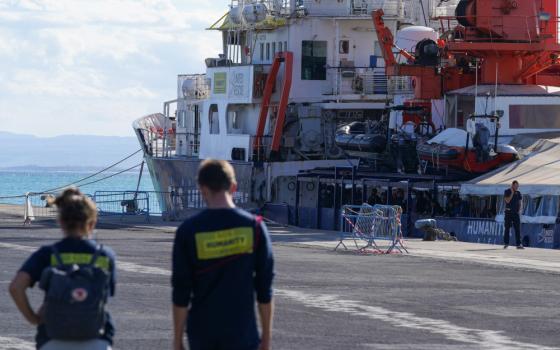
point(98, 250)
point(57, 256)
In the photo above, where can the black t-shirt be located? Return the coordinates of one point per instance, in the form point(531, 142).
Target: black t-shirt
point(515, 204)
point(72, 251)
point(220, 265)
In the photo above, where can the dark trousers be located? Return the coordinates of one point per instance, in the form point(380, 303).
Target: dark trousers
point(217, 343)
point(512, 219)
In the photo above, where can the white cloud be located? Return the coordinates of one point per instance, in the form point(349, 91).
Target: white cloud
point(71, 84)
point(118, 58)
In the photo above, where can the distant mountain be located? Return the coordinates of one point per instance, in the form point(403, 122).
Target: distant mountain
point(65, 152)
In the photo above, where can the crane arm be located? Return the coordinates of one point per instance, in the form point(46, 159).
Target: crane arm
point(387, 41)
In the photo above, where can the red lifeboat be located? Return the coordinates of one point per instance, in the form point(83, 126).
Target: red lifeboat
point(471, 152)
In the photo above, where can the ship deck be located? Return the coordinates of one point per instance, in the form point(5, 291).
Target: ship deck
point(443, 295)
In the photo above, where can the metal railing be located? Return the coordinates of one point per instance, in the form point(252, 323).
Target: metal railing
point(403, 9)
point(357, 81)
point(400, 86)
point(128, 203)
point(368, 225)
point(158, 143)
point(39, 206)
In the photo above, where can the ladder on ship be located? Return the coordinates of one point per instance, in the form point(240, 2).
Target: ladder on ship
point(259, 149)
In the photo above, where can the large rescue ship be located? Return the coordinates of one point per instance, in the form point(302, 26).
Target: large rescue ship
point(315, 103)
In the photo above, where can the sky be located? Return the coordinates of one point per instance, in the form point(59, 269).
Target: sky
point(93, 66)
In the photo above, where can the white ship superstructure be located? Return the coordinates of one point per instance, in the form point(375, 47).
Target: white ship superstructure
point(299, 101)
point(337, 77)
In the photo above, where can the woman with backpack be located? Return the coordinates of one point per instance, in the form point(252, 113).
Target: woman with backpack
point(77, 276)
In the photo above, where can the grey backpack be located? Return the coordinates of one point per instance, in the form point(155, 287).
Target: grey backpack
point(75, 299)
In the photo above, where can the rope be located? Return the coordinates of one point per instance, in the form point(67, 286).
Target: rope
point(78, 182)
point(96, 181)
point(97, 173)
point(13, 197)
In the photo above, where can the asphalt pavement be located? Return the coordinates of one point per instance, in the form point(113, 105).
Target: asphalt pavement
point(437, 297)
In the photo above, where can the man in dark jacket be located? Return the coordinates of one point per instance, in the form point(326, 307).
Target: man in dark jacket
point(514, 208)
point(222, 262)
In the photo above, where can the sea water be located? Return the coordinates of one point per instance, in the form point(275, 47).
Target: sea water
point(15, 183)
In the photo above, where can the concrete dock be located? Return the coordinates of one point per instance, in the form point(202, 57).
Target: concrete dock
point(443, 295)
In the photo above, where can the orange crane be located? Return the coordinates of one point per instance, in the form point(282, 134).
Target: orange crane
point(258, 146)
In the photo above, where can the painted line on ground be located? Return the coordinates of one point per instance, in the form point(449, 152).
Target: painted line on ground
point(484, 339)
point(520, 263)
point(9, 343)
point(19, 247)
point(136, 268)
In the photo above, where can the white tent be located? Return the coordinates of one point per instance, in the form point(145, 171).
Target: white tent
point(538, 175)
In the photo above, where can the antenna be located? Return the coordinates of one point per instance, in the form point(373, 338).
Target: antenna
point(424, 13)
point(496, 86)
point(475, 84)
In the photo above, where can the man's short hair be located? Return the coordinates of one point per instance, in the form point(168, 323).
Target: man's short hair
point(515, 183)
point(216, 175)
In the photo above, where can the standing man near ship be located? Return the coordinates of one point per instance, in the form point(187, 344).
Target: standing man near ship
point(222, 260)
point(514, 206)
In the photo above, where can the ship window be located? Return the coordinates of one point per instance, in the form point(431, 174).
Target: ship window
point(344, 47)
point(268, 51)
point(234, 122)
point(285, 46)
point(273, 49)
point(314, 60)
point(280, 46)
point(214, 119)
point(534, 117)
point(262, 52)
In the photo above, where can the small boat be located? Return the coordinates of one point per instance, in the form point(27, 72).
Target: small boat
point(362, 137)
point(468, 151)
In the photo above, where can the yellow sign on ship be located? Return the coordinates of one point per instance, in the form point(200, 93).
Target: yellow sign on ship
point(220, 82)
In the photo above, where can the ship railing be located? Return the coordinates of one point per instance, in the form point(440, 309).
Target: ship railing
point(278, 7)
point(402, 9)
point(350, 80)
point(400, 86)
point(260, 148)
point(158, 143)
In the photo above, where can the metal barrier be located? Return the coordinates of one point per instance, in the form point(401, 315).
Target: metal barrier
point(126, 203)
point(147, 203)
point(372, 225)
point(39, 206)
point(171, 205)
point(109, 203)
